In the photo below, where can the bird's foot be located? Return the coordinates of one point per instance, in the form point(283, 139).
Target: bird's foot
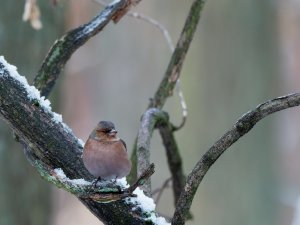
point(94, 183)
point(118, 187)
point(115, 180)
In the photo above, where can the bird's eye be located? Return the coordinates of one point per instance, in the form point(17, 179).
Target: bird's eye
point(103, 130)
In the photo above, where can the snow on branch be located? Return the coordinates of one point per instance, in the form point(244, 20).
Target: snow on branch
point(32, 93)
point(56, 154)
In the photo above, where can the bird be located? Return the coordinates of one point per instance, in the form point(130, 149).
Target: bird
point(105, 154)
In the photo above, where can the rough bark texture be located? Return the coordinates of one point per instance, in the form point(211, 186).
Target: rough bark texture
point(50, 143)
point(150, 119)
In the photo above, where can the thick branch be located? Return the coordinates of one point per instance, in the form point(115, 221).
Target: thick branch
point(149, 120)
point(63, 48)
point(50, 142)
point(240, 128)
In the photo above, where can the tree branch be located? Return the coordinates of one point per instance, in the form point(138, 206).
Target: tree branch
point(63, 48)
point(240, 128)
point(174, 159)
point(50, 142)
point(149, 120)
point(160, 190)
point(172, 73)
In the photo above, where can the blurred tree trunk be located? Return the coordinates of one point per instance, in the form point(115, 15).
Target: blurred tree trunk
point(289, 123)
point(24, 195)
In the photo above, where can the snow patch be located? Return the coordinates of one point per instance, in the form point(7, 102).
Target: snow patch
point(147, 205)
point(122, 182)
point(80, 142)
point(62, 176)
point(33, 93)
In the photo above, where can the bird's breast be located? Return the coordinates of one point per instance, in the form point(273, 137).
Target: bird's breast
point(107, 159)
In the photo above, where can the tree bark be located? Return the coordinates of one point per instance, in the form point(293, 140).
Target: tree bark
point(51, 143)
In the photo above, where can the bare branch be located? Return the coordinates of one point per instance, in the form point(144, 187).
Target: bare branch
point(149, 120)
point(124, 10)
point(240, 128)
point(174, 159)
point(156, 24)
point(168, 39)
point(142, 179)
point(149, 20)
point(63, 48)
point(172, 74)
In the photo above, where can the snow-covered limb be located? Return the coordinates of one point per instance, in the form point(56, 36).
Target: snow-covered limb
point(147, 205)
point(48, 142)
point(138, 198)
point(33, 94)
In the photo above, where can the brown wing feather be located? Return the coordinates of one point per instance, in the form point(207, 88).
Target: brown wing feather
point(123, 142)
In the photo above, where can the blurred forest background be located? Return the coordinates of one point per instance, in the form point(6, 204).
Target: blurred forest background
point(244, 53)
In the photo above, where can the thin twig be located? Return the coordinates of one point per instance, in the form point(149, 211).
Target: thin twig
point(168, 39)
point(157, 190)
point(156, 24)
point(149, 20)
point(142, 178)
point(183, 106)
point(174, 159)
point(240, 128)
point(160, 190)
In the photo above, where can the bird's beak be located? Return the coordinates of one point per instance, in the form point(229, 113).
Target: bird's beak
point(113, 132)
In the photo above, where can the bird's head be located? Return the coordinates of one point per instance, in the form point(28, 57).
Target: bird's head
point(105, 130)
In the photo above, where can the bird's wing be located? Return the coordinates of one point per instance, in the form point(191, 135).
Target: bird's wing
point(123, 142)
